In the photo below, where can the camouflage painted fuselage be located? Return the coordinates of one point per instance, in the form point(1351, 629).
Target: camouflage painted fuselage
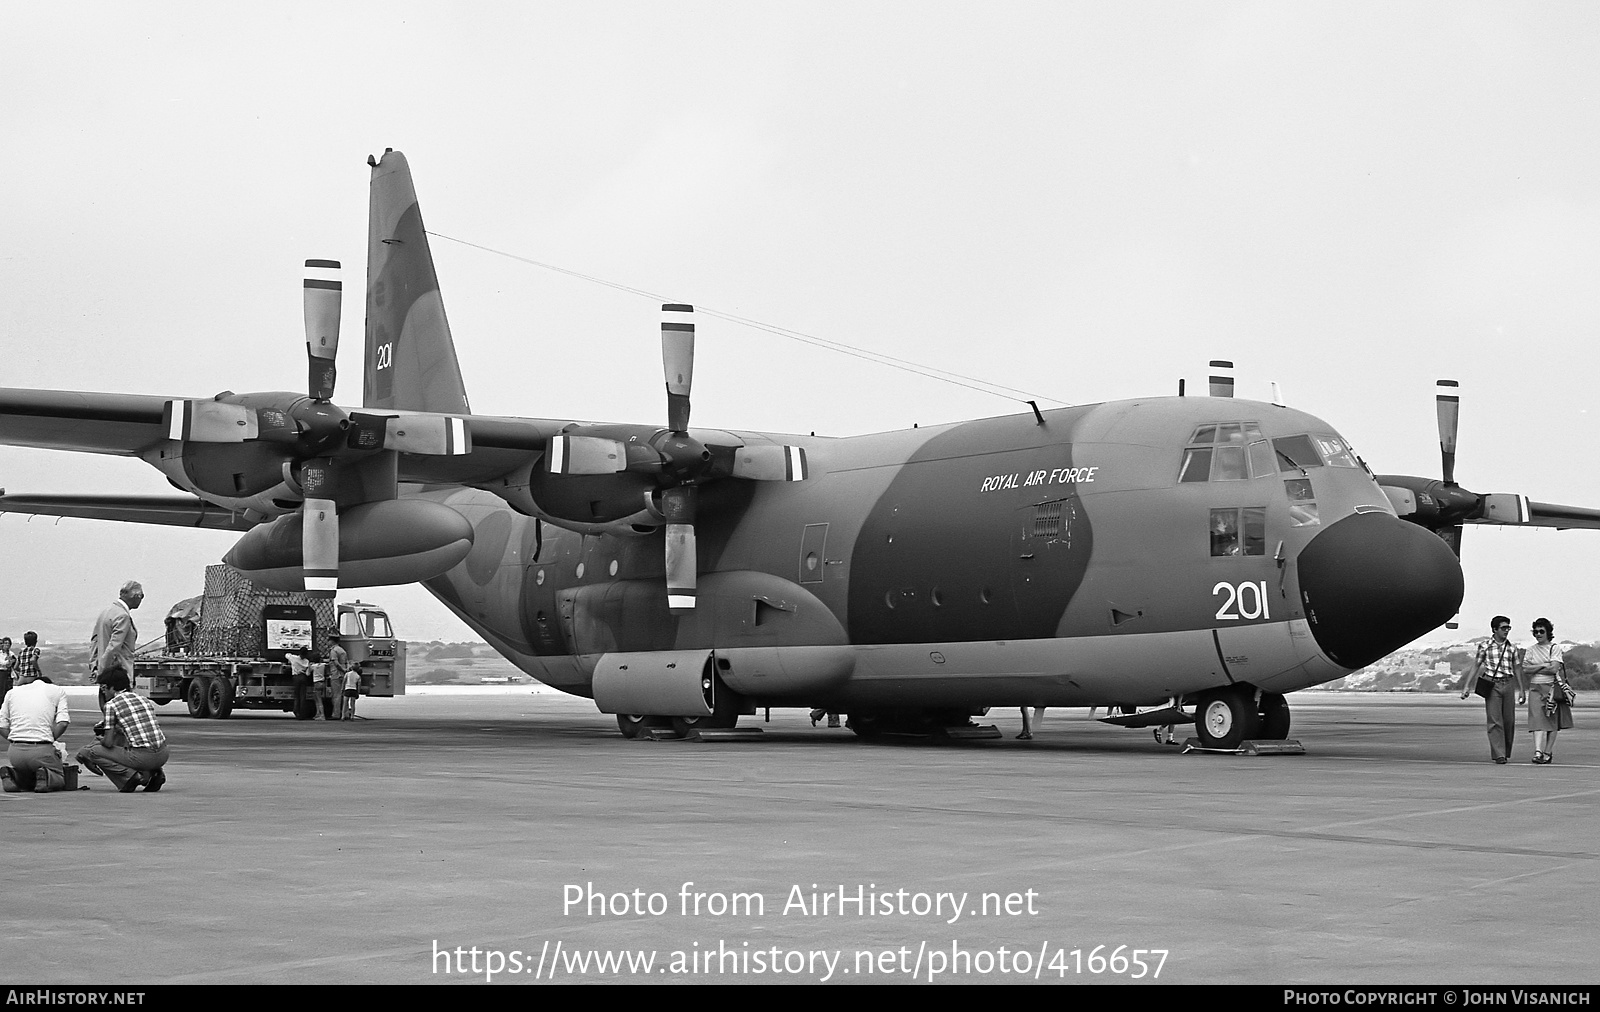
point(991, 562)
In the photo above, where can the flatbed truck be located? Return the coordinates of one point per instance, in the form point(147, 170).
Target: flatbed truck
point(235, 656)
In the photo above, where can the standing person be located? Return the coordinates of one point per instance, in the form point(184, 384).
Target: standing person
point(28, 656)
point(338, 666)
point(33, 716)
point(1499, 665)
point(300, 670)
point(1544, 669)
point(352, 690)
point(8, 665)
point(114, 638)
point(132, 747)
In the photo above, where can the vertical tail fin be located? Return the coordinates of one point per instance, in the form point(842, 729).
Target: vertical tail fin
point(410, 357)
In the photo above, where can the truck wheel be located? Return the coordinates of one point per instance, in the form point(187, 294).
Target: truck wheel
point(306, 710)
point(199, 690)
point(219, 697)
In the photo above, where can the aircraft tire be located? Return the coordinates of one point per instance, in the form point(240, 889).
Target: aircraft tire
point(199, 697)
point(1274, 716)
point(1226, 717)
point(219, 698)
point(867, 726)
point(632, 725)
point(687, 726)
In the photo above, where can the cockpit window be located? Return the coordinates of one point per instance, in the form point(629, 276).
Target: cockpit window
point(1295, 453)
point(1196, 464)
point(1228, 464)
point(1218, 452)
point(1336, 451)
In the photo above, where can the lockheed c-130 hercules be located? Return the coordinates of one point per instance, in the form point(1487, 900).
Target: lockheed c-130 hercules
point(1168, 558)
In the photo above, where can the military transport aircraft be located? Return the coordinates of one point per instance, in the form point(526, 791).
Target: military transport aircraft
point(1170, 558)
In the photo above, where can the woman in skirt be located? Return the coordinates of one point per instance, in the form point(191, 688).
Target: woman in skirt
point(1543, 667)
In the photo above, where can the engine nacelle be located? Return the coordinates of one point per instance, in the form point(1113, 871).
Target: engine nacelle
point(380, 544)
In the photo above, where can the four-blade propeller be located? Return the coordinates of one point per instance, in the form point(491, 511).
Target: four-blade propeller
point(1441, 505)
point(676, 460)
point(318, 453)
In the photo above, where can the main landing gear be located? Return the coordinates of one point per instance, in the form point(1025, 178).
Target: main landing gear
point(641, 725)
point(1226, 717)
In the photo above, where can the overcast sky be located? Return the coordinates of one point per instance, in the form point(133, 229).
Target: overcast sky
point(1086, 200)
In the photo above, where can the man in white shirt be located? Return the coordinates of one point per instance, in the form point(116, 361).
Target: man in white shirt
point(32, 717)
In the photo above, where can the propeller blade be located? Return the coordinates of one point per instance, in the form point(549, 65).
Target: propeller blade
point(677, 505)
point(367, 432)
point(209, 422)
point(319, 546)
point(316, 480)
point(770, 463)
point(1447, 400)
point(586, 455)
point(677, 361)
point(434, 435)
point(324, 293)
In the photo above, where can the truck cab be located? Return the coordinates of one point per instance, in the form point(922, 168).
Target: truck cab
point(367, 636)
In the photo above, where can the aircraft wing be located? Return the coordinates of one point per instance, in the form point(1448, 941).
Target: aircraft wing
point(1544, 514)
point(126, 425)
point(171, 510)
point(120, 424)
point(498, 446)
point(1438, 505)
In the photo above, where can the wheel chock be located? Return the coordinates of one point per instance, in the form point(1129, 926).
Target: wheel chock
point(728, 734)
point(1289, 746)
point(973, 732)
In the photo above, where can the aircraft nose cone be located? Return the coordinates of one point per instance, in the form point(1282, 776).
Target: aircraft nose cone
point(1372, 583)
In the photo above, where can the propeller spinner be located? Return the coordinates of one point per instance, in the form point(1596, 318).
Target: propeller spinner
point(1441, 505)
point(677, 461)
point(323, 448)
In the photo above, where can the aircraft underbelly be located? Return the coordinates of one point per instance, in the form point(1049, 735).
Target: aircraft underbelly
point(1082, 671)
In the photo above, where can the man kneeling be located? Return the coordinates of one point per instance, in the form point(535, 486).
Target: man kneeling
point(132, 748)
point(33, 718)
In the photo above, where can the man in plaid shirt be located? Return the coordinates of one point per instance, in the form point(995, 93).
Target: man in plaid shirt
point(28, 656)
point(1499, 666)
point(132, 748)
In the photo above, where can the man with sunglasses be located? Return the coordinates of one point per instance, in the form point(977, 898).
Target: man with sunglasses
point(1499, 665)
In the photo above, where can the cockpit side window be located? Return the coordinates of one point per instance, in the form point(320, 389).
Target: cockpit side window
point(1295, 453)
point(1336, 451)
point(1196, 464)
